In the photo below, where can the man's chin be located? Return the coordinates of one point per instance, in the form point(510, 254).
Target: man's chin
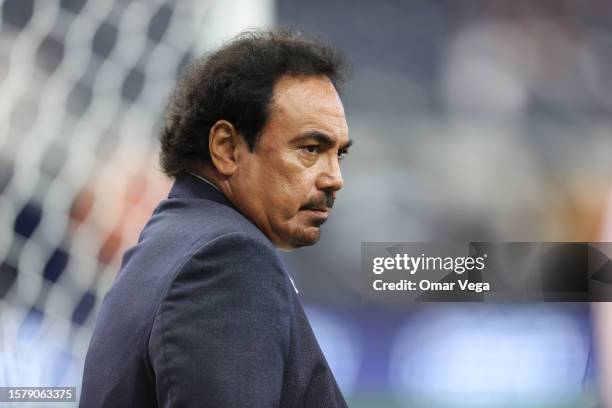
point(305, 237)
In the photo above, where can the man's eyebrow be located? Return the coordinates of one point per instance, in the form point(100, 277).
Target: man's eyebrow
point(347, 145)
point(322, 138)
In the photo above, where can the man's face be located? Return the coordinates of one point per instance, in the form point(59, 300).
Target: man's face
point(288, 184)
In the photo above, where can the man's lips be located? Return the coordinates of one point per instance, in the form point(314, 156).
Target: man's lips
point(320, 212)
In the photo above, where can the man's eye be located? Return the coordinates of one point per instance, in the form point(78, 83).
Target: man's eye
point(311, 148)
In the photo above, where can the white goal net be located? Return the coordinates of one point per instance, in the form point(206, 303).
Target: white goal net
point(83, 85)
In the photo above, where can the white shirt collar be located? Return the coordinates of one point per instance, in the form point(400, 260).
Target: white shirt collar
point(203, 179)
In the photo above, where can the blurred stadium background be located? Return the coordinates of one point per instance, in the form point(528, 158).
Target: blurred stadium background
point(473, 120)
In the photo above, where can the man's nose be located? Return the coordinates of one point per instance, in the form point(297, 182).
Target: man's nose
point(330, 178)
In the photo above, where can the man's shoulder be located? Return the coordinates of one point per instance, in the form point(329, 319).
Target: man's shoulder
point(182, 229)
point(199, 221)
point(193, 245)
point(204, 233)
point(239, 265)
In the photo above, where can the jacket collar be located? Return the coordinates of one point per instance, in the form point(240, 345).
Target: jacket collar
point(187, 185)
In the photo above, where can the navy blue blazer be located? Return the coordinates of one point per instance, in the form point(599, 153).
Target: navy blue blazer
point(203, 314)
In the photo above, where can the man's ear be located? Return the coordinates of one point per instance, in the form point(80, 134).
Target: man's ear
point(222, 144)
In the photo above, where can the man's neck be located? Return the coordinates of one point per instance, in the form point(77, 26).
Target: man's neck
point(214, 178)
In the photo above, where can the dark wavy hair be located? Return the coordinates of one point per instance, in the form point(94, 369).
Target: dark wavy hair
point(235, 83)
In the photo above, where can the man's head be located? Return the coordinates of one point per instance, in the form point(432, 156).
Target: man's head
point(262, 119)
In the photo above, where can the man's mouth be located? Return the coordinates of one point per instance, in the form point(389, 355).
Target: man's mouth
point(324, 212)
point(317, 215)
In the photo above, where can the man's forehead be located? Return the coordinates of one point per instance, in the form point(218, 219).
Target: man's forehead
point(308, 102)
point(308, 85)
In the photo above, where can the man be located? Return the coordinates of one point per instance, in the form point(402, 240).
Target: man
point(203, 313)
